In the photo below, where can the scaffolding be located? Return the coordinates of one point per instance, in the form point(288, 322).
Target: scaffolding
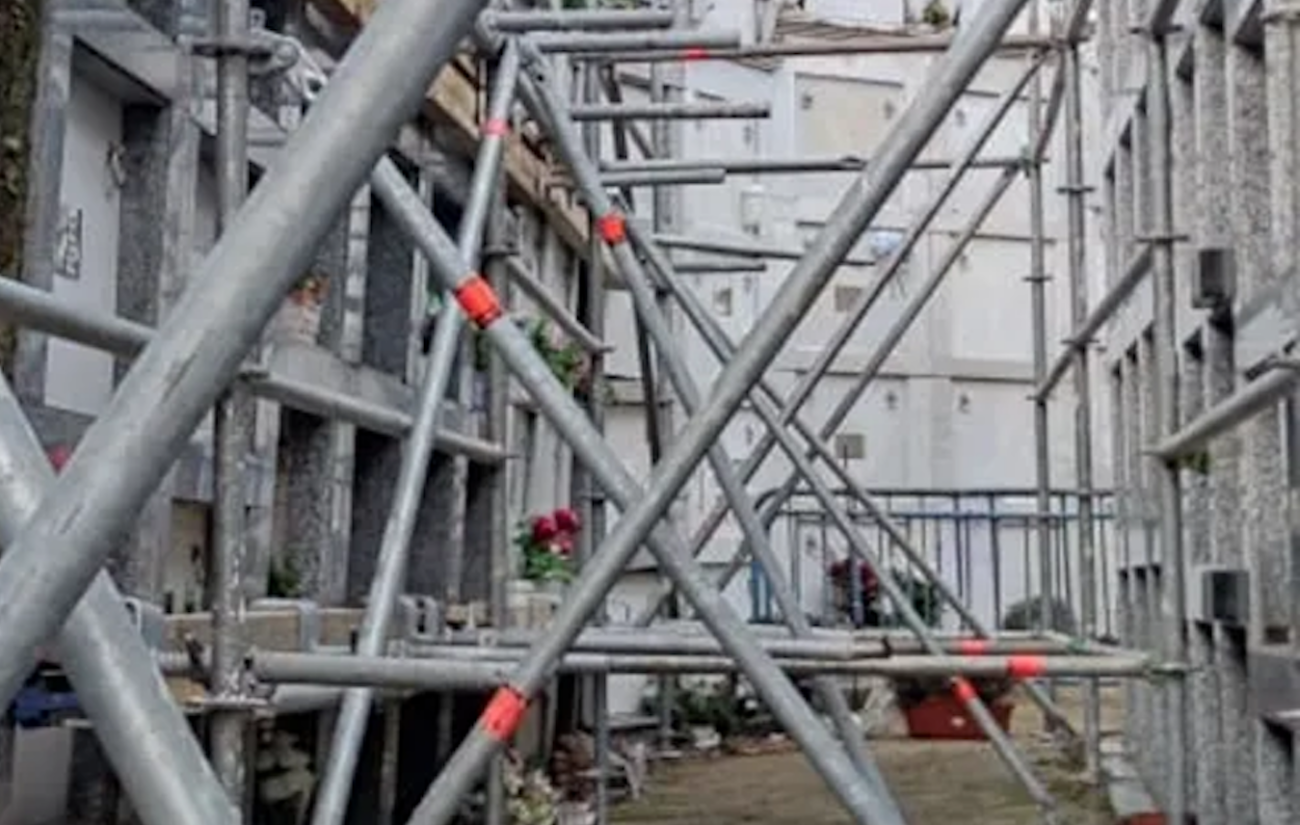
point(209, 352)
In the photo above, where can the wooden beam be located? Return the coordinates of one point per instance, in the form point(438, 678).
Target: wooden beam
point(453, 100)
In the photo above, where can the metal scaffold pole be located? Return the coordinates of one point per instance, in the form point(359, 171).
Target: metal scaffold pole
point(789, 413)
point(232, 429)
point(386, 586)
point(665, 141)
point(146, 738)
point(1167, 419)
point(1037, 279)
point(590, 498)
point(506, 709)
point(198, 350)
point(1076, 252)
point(645, 509)
point(540, 95)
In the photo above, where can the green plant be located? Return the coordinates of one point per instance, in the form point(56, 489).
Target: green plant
point(936, 14)
point(310, 288)
point(283, 579)
point(531, 798)
point(1027, 614)
point(708, 706)
point(877, 611)
point(565, 358)
point(1198, 463)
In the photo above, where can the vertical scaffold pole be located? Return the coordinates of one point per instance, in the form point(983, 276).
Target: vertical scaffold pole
point(232, 425)
point(1166, 402)
point(177, 378)
point(645, 509)
point(1038, 318)
point(117, 681)
point(539, 93)
point(390, 574)
point(1076, 253)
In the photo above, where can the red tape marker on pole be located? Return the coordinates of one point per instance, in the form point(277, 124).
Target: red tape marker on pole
point(612, 228)
point(964, 691)
point(973, 647)
point(479, 301)
point(503, 714)
point(1026, 667)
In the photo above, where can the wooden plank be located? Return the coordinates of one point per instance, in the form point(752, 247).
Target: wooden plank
point(453, 100)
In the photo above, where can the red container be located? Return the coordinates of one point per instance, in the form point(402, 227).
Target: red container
point(944, 717)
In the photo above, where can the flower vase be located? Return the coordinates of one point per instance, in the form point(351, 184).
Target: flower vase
point(297, 321)
point(520, 594)
point(479, 403)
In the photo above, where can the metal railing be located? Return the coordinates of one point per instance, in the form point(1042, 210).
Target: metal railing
point(981, 542)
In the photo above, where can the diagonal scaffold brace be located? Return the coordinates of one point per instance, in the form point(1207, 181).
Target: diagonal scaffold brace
point(817, 440)
point(350, 726)
point(137, 721)
point(538, 91)
point(506, 710)
point(199, 349)
point(644, 512)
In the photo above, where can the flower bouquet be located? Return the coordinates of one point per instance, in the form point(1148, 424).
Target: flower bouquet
point(546, 544)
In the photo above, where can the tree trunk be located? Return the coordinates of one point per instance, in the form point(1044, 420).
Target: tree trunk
point(20, 39)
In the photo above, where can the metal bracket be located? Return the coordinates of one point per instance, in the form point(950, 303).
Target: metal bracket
point(229, 703)
point(148, 618)
point(505, 250)
point(1156, 34)
point(1282, 13)
point(309, 623)
point(421, 618)
point(1158, 238)
point(255, 371)
point(1279, 362)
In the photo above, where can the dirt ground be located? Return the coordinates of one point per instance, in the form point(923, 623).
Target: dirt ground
point(937, 783)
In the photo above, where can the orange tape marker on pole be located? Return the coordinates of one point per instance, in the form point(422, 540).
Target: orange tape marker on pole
point(612, 228)
point(1026, 667)
point(503, 713)
point(479, 301)
point(964, 691)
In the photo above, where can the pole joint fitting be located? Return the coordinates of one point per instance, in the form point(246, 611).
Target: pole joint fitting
point(1165, 238)
point(1154, 33)
point(266, 54)
point(1075, 189)
point(1170, 670)
point(1287, 13)
point(1279, 362)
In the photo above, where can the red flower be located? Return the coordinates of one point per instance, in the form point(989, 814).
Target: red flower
point(563, 544)
point(567, 520)
point(59, 456)
point(544, 529)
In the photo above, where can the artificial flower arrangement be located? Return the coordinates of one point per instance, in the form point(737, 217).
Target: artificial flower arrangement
point(546, 543)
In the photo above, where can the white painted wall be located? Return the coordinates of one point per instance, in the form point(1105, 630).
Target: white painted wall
point(952, 410)
point(79, 378)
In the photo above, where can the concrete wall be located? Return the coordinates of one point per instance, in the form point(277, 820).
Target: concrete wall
point(1232, 96)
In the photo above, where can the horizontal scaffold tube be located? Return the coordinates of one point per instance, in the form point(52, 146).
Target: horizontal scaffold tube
point(824, 644)
point(484, 669)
